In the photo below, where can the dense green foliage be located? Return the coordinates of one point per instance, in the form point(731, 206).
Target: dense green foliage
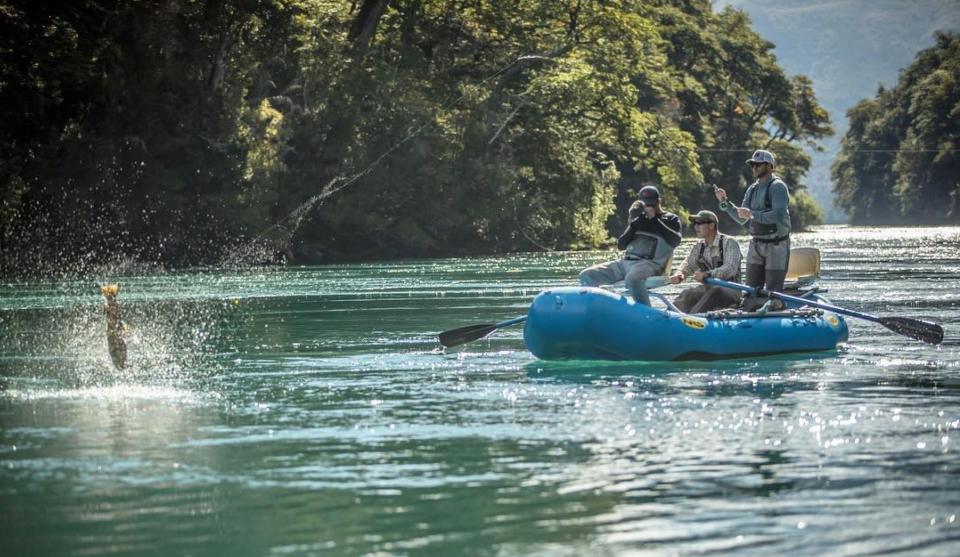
point(899, 161)
point(177, 131)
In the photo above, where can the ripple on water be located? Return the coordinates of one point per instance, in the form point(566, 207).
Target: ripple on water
point(111, 393)
point(305, 410)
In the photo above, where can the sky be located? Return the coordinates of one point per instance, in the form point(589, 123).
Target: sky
point(848, 48)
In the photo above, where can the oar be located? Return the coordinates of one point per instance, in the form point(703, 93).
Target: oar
point(926, 331)
point(470, 333)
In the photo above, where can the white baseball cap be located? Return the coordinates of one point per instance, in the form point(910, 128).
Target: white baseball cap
point(760, 156)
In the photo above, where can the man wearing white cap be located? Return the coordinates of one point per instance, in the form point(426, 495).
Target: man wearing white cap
point(766, 208)
point(648, 244)
point(715, 255)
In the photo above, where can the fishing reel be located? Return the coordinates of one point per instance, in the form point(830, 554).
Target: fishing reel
point(708, 187)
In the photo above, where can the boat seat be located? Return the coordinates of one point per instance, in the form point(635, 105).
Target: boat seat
point(803, 269)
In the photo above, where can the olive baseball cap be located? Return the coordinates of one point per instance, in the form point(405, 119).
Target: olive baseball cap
point(704, 216)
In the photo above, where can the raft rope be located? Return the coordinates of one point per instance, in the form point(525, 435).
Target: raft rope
point(726, 314)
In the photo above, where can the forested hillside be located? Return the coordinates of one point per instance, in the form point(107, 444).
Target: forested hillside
point(900, 159)
point(177, 132)
point(848, 48)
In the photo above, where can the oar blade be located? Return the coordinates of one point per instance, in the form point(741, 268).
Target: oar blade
point(463, 335)
point(926, 331)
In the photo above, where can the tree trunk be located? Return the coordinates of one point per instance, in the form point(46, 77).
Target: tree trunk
point(365, 25)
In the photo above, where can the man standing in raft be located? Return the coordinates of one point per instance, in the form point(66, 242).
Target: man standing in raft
point(715, 255)
point(766, 209)
point(648, 244)
point(116, 329)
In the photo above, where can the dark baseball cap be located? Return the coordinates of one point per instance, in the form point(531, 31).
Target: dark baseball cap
point(649, 195)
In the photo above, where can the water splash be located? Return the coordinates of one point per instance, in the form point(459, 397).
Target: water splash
point(171, 342)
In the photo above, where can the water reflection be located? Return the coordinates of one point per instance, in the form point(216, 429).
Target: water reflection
point(303, 411)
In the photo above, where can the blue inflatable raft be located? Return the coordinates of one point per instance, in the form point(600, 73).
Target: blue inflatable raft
point(591, 323)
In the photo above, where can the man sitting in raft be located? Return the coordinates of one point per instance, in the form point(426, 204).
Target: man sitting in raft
point(714, 255)
point(648, 242)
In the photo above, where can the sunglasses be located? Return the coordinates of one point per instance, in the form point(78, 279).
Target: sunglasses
point(696, 222)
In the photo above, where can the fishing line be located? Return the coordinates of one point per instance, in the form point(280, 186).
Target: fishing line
point(706, 150)
point(261, 248)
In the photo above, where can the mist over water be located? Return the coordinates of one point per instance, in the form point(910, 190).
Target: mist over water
point(307, 411)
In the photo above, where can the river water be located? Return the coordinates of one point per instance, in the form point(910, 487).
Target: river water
point(306, 411)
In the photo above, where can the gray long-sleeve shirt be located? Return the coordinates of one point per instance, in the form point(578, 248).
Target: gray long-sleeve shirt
point(779, 212)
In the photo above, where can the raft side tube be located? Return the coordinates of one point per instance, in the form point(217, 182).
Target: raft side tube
point(591, 323)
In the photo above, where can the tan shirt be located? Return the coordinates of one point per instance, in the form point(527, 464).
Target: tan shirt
point(728, 270)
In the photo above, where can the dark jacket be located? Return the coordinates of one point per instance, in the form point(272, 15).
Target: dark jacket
point(650, 238)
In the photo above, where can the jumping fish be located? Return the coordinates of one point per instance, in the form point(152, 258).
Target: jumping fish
point(116, 328)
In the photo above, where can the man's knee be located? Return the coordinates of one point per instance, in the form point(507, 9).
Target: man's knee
point(714, 299)
point(589, 277)
point(636, 281)
point(687, 299)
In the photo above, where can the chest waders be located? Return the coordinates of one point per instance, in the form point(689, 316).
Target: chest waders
point(758, 274)
point(760, 229)
point(706, 298)
point(708, 264)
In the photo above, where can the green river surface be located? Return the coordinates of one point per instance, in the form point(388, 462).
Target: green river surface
point(307, 411)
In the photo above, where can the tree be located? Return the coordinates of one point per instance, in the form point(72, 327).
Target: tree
point(898, 161)
point(177, 132)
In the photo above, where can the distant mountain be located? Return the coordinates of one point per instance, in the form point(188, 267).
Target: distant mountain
point(848, 48)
